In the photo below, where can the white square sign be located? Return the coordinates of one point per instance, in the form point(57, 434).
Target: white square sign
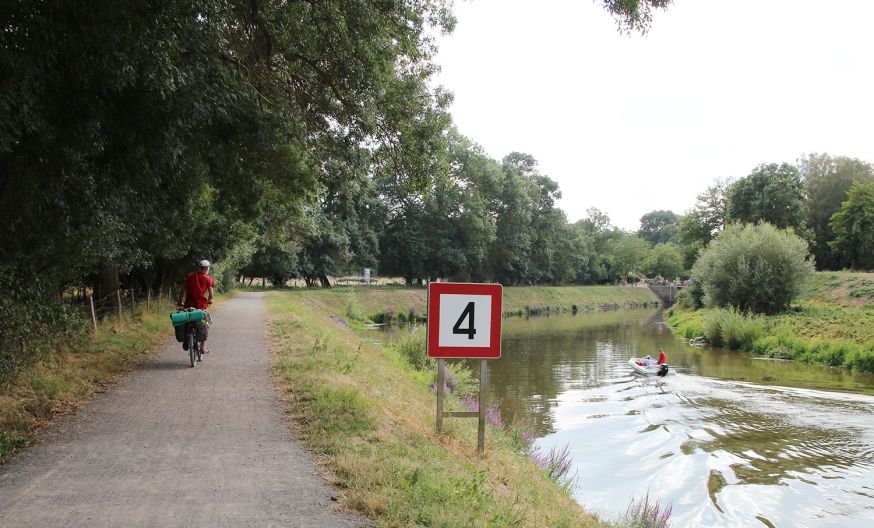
point(465, 320)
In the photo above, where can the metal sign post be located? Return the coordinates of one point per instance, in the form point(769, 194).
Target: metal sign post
point(464, 321)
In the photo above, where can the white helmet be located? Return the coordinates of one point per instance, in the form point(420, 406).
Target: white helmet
point(204, 263)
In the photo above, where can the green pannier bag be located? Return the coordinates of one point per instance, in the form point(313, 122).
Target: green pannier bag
point(193, 316)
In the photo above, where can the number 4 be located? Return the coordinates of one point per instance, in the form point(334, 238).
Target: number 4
point(466, 313)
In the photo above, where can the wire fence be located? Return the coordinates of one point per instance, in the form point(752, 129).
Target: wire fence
point(117, 302)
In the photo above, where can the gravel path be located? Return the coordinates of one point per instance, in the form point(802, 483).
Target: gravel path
point(177, 446)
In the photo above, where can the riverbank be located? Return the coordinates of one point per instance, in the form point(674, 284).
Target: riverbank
point(370, 414)
point(389, 304)
point(832, 324)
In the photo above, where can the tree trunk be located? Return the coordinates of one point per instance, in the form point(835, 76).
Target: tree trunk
point(107, 280)
point(324, 280)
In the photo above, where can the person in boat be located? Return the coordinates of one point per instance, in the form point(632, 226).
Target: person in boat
point(649, 361)
point(663, 358)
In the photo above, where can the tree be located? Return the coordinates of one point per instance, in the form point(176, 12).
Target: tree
point(827, 180)
point(754, 268)
point(771, 193)
point(634, 15)
point(704, 221)
point(853, 226)
point(664, 260)
point(659, 227)
point(144, 135)
point(600, 237)
point(628, 256)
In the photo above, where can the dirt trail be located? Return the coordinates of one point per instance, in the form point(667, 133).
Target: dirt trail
point(177, 446)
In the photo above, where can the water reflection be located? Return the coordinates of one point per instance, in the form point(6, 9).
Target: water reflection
point(730, 440)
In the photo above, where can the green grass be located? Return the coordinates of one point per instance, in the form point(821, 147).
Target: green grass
point(374, 426)
point(827, 326)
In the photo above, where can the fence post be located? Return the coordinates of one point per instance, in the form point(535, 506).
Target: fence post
point(118, 302)
point(133, 303)
point(93, 314)
point(148, 298)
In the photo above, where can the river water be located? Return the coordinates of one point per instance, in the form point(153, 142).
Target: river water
point(728, 440)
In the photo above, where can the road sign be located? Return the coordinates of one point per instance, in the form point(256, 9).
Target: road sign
point(464, 320)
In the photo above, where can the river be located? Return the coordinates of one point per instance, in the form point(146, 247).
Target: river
point(729, 440)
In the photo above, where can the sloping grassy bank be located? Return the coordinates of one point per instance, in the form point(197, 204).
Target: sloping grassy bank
point(74, 370)
point(832, 324)
point(404, 303)
point(370, 414)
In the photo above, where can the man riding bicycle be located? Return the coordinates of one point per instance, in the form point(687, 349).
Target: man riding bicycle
point(197, 293)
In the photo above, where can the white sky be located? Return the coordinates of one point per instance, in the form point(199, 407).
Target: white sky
point(631, 124)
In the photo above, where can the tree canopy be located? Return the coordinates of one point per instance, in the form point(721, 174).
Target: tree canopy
point(827, 180)
point(853, 226)
point(772, 193)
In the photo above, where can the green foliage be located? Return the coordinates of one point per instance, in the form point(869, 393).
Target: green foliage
point(145, 136)
point(659, 227)
point(664, 260)
point(827, 180)
point(853, 226)
point(772, 193)
point(634, 15)
point(753, 268)
point(353, 311)
point(698, 227)
point(731, 329)
point(411, 347)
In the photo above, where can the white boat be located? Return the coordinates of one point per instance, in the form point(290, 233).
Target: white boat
point(639, 366)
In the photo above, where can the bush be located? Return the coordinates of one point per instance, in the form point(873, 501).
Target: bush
point(758, 269)
point(732, 329)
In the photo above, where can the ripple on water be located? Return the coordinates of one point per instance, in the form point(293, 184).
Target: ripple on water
point(727, 453)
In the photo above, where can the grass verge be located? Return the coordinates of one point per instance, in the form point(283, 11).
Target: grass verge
point(369, 414)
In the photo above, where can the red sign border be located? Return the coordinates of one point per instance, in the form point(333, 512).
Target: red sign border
point(435, 289)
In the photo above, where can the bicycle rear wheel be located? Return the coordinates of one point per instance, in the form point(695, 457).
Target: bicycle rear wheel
point(192, 353)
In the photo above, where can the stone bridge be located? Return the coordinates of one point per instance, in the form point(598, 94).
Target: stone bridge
point(666, 292)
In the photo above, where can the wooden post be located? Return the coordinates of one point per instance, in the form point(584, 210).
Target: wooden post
point(118, 302)
point(148, 298)
point(133, 297)
point(93, 313)
point(441, 380)
point(483, 390)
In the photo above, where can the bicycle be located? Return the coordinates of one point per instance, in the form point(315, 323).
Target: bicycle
point(189, 335)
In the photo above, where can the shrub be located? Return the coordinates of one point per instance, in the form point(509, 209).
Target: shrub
point(758, 269)
point(411, 346)
point(353, 311)
point(732, 329)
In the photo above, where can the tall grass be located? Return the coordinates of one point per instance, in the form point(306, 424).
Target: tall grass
point(645, 514)
point(732, 329)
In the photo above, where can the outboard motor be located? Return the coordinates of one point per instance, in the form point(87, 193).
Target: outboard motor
point(663, 370)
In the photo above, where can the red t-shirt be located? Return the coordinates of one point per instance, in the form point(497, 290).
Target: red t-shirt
point(663, 358)
point(196, 284)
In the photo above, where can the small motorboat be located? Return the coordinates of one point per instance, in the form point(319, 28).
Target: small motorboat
point(639, 366)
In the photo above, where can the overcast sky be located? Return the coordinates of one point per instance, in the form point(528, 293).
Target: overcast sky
point(631, 124)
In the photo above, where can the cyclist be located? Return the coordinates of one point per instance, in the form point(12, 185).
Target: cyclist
point(197, 292)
